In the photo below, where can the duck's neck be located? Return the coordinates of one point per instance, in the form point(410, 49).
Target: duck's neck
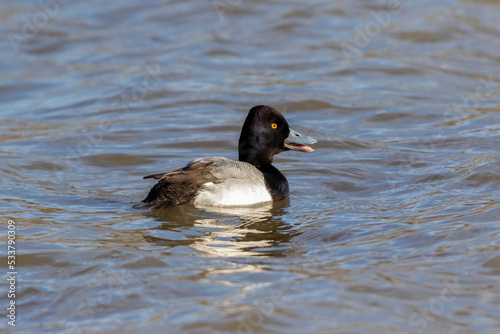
point(276, 183)
point(255, 158)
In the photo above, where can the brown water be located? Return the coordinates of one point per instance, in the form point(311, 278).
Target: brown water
point(392, 226)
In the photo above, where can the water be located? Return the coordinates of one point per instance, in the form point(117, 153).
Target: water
point(391, 225)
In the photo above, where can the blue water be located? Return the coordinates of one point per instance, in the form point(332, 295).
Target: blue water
point(391, 225)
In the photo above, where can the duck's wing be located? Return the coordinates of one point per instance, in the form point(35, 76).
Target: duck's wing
point(209, 169)
point(156, 176)
point(195, 172)
point(222, 169)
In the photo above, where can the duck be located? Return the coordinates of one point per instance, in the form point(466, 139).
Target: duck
point(222, 182)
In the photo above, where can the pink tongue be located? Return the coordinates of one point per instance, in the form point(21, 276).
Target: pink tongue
point(299, 147)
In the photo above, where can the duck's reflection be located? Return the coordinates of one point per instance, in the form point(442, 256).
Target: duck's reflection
point(251, 231)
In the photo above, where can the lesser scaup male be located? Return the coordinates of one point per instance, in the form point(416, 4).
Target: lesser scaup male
point(218, 181)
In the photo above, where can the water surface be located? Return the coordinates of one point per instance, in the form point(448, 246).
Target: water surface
point(392, 225)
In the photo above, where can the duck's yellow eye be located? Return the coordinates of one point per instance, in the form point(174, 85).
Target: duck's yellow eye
point(274, 126)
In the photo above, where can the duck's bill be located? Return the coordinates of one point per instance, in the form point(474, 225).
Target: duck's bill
point(298, 142)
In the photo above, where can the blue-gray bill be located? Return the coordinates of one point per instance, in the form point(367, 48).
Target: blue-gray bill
point(298, 142)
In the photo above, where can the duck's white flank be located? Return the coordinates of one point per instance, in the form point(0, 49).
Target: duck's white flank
point(240, 183)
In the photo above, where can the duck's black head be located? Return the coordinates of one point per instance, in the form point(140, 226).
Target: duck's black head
point(266, 133)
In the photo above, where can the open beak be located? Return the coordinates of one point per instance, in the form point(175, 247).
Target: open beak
point(298, 142)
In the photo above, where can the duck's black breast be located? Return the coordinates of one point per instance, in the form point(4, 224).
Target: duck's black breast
point(276, 183)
